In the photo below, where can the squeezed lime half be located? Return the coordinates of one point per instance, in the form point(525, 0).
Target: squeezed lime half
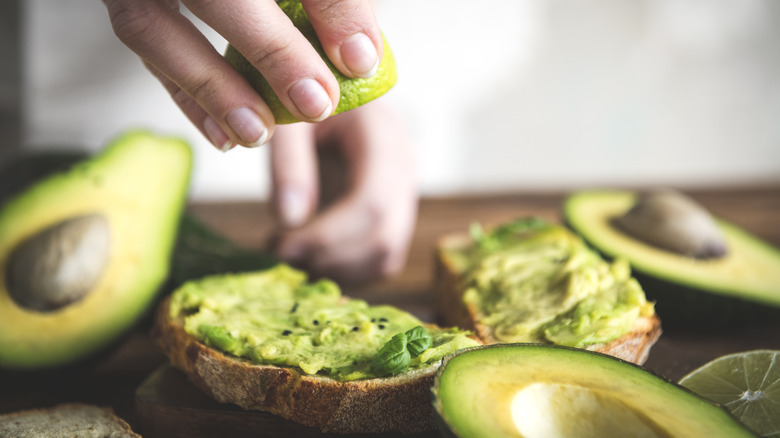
point(747, 384)
point(354, 91)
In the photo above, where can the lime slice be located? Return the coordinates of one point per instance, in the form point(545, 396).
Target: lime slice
point(354, 91)
point(747, 384)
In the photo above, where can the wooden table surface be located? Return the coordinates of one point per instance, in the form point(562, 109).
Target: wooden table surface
point(113, 379)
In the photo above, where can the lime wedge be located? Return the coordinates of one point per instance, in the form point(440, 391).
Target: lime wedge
point(747, 384)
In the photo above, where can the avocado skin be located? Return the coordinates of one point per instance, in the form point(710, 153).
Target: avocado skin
point(441, 424)
point(26, 169)
point(695, 309)
point(683, 306)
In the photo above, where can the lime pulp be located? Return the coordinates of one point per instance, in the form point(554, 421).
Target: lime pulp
point(747, 384)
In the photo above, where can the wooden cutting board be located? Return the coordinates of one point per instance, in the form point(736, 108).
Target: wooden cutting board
point(168, 405)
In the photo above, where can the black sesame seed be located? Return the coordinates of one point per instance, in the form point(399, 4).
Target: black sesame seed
point(286, 333)
point(316, 322)
point(354, 329)
point(381, 326)
point(382, 319)
point(373, 319)
point(294, 308)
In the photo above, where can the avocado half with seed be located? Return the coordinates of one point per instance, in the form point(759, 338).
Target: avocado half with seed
point(83, 252)
point(710, 273)
point(539, 391)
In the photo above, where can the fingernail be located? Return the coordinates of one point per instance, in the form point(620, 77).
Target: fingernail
point(248, 126)
point(293, 207)
point(216, 135)
point(311, 99)
point(359, 55)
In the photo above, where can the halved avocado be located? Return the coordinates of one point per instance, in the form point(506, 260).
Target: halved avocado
point(533, 390)
point(83, 252)
point(741, 286)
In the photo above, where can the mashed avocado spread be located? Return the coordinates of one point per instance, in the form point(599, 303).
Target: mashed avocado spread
point(277, 317)
point(537, 282)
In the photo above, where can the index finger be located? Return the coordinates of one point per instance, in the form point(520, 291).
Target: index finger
point(349, 34)
point(266, 37)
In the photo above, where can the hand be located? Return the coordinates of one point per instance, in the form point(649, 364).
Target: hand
point(212, 94)
point(362, 231)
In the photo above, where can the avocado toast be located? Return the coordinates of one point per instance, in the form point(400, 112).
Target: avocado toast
point(272, 341)
point(534, 281)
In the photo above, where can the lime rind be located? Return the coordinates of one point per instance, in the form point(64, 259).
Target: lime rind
point(747, 384)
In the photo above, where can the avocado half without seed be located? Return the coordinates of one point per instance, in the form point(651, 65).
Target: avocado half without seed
point(535, 391)
point(700, 270)
point(83, 252)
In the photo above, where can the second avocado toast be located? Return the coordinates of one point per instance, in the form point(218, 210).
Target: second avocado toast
point(533, 281)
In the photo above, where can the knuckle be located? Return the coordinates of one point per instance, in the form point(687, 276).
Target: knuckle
point(203, 87)
point(271, 56)
point(344, 15)
point(180, 97)
point(134, 22)
point(326, 8)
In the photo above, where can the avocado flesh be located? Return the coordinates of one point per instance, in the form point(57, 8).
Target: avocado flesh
point(138, 183)
point(532, 390)
point(750, 271)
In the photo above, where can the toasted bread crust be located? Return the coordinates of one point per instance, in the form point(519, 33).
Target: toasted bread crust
point(67, 419)
point(400, 403)
point(448, 298)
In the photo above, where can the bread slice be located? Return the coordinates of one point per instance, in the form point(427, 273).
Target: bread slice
point(448, 297)
point(72, 420)
point(400, 403)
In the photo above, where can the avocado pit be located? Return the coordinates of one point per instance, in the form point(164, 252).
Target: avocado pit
point(61, 264)
point(671, 221)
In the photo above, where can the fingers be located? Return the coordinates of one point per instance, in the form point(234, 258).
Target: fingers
point(231, 111)
point(353, 241)
point(349, 34)
point(261, 32)
point(178, 52)
point(294, 174)
point(193, 111)
point(366, 233)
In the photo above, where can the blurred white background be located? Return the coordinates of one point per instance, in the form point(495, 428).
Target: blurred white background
point(501, 95)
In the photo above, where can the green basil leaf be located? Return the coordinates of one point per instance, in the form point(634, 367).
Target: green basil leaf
point(418, 340)
point(393, 358)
